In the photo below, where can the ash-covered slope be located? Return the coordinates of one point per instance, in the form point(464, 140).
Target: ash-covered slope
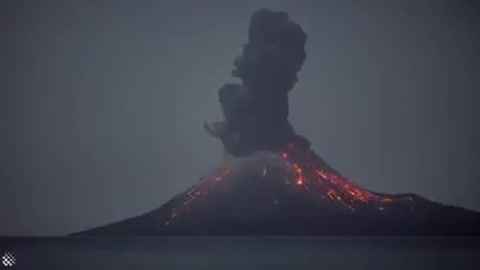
point(292, 193)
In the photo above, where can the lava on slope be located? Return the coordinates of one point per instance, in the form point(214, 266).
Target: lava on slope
point(321, 182)
point(200, 190)
point(303, 170)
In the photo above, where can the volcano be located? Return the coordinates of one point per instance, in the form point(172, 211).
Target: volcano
point(273, 183)
point(292, 193)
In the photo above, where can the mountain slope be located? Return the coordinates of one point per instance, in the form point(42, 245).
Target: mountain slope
point(291, 193)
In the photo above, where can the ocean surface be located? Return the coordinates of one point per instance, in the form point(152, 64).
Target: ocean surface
point(72, 253)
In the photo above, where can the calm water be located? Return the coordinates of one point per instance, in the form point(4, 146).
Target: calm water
point(243, 253)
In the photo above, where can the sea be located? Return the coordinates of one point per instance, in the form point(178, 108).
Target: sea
point(292, 253)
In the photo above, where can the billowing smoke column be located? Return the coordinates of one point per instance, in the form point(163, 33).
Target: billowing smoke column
point(256, 111)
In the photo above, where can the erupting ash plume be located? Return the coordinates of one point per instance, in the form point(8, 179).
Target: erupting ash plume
point(274, 183)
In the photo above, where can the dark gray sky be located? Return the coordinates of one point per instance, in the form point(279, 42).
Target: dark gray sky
point(102, 103)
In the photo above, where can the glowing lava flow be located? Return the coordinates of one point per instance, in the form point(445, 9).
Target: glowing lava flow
point(312, 175)
point(321, 182)
point(199, 190)
point(298, 170)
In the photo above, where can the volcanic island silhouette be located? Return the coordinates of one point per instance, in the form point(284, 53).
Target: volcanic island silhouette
point(273, 183)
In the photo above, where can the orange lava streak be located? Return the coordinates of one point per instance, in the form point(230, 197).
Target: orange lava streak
point(203, 188)
point(323, 183)
point(298, 170)
point(348, 188)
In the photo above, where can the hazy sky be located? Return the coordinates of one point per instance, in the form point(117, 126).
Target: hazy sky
point(102, 103)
